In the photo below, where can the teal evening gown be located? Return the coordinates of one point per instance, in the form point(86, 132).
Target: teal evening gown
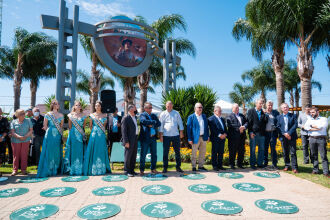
point(96, 161)
point(52, 151)
point(74, 151)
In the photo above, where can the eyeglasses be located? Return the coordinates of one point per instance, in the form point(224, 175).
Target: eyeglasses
point(199, 107)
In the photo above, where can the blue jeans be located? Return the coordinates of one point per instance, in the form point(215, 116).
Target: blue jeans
point(145, 145)
point(166, 148)
point(270, 139)
point(260, 141)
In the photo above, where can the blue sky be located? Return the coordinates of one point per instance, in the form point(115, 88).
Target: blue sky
point(220, 59)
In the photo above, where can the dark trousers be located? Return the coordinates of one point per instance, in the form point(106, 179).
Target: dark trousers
point(270, 140)
point(130, 156)
point(306, 152)
point(319, 145)
point(236, 146)
point(2, 151)
point(151, 144)
point(218, 148)
point(37, 142)
point(289, 149)
point(114, 137)
point(175, 140)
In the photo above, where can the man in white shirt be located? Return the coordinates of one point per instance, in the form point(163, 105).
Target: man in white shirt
point(317, 127)
point(198, 134)
point(171, 123)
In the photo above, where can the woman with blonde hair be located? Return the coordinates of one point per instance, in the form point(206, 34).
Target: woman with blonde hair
point(21, 131)
point(96, 161)
point(75, 146)
point(52, 150)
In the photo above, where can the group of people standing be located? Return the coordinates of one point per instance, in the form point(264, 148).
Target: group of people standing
point(263, 126)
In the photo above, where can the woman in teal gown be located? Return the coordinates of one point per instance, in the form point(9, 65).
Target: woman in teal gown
point(96, 161)
point(75, 146)
point(52, 150)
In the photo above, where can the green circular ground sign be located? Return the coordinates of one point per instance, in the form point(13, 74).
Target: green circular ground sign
point(276, 206)
point(194, 176)
point(203, 188)
point(221, 207)
point(248, 187)
point(115, 178)
point(98, 211)
point(75, 178)
point(154, 177)
point(109, 191)
point(267, 174)
point(231, 175)
point(34, 212)
point(3, 178)
point(156, 189)
point(33, 180)
point(161, 209)
point(58, 191)
point(5, 193)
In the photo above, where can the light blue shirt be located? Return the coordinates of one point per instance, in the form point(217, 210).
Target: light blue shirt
point(114, 125)
point(171, 122)
point(286, 121)
point(220, 122)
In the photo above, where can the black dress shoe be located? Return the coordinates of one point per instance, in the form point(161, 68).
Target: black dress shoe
point(202, 169)
point(260, 166)
point(222, 168)
point(179, 170)
point(194, 169)
point(253, 167)
point(135, 173)
point(164, 170)
point(216, 169)
point(275, 166)
point(241, 167)
point(232, 167)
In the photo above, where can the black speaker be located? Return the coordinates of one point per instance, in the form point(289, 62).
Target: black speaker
point(108, 99)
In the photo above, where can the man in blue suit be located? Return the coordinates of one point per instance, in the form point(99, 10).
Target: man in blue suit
point(287, 125)
point(218, 136)
point(148, 136)
point(198, 134)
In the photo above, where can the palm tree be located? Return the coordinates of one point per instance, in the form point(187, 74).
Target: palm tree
point(261, 78)
point(292, 83)
point(83, 83)
point(307, 24)
point(263, 36)
point(94, 83)
point(165, 26)
point(29, 49)
point(242, 95)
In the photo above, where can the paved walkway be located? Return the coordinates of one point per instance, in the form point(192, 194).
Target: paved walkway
point(313, 200)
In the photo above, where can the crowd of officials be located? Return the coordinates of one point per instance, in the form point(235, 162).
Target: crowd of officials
point(30, 131)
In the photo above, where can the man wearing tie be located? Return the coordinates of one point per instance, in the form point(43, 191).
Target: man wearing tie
point(198, 134)
point(287, 125)
point(237, 124)
point(130, 131)
point(218, 137)
point(257, 121)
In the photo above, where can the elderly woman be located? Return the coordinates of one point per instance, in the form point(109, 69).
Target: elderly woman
point(21, 132)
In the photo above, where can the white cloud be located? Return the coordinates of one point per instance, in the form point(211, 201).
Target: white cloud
point(99, 9)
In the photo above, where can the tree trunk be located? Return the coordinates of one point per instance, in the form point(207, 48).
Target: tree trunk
point(143, 81)
point(129, 93)
point(94, 83)
point(33, 89)
point(278, 66)
point(263, 97)
point(244, 109)
point(291, 99)
point(18, 76)
point(305, 70)
point(297, 96)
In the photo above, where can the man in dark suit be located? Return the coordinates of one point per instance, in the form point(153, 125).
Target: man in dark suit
point(129, 131)
point(287, 124)
point(257, 121)
point(237, 124)
point(148, 137)
point(218, 136)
